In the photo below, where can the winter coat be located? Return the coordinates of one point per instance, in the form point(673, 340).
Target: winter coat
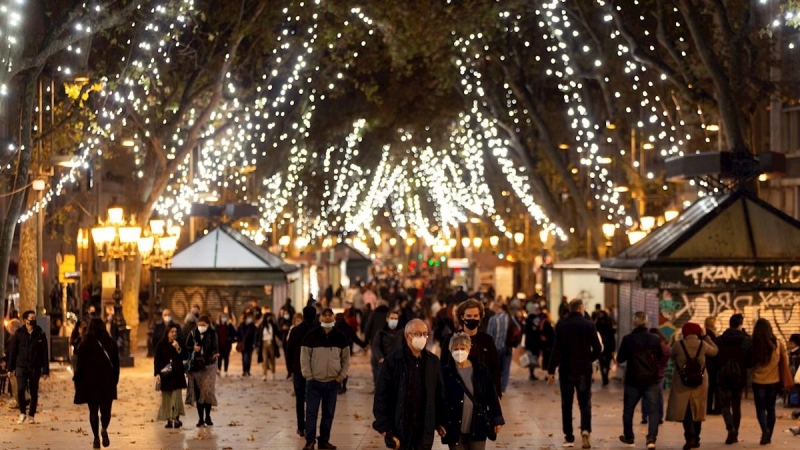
point(296, 336)
point(376, 321)
point(165, 354)
point(483, 392)
point(386, 342)
point(226, 335)
point(29, 351)
point(641, 352)
point(734, 348)
point(576, 346)
point(388, 405)
point(160, 329)
point(324, 356)
point(207, 341)
point(276, 348)
point(97, 371)
point(533, 343)
point(680, 396)
point(484, 351)
point(247, 334)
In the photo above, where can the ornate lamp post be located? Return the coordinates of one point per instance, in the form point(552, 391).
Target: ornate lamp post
point(156, 246)
point(116, 239)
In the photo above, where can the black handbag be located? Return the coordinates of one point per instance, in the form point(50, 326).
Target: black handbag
point(480, 411)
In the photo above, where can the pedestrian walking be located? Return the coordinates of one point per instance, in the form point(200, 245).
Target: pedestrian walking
point(712, 404)
point(507, 334)
point(201, 389)
point(469, 315)
point(13, 326)
point(341, 325)
point(605, 326)
point(533, 343)
point(640, 351)
point(662, 368)
point(409, 398)
point(190, 321)
point(324, 362)
point(296, 336)
point(388, 339)
point(28, 362)
point(767, 354)
point(170, 377)
point(267, 346)
point(575, 348)
point(226, 335)
point(246, 342)
point(547, 337)
point(375, 323)
point(735, 356)
point(473, 412)
point(96, 378)
point(689, 393)
point(793, 396)
point(160, 328)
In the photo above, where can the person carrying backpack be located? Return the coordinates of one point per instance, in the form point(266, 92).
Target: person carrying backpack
point(734, 358)
point(689, 393)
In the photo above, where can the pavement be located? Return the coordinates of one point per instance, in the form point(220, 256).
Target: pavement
point(256, 414)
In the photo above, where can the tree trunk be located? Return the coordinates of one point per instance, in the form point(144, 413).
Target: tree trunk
point(28, 263)
point(131, 272)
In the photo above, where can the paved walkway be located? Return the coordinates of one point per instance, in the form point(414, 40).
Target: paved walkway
point(253, 414)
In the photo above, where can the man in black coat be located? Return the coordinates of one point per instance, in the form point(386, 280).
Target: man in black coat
point(469, 315)
point(575, 348)
point(641, 351)
point(29, 362)
point(734, 358)
point(160, 328)
point(295, 345)
point(376, 322)
point(409, 399)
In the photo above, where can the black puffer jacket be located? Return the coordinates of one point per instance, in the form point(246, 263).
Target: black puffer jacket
point(208, 341)
point(485, 395)
point(29, 351)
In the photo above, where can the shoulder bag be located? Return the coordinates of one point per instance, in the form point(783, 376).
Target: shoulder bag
point(480, 410)
point(787, 380)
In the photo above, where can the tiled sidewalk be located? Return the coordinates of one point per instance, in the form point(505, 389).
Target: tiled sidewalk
point(253, 414)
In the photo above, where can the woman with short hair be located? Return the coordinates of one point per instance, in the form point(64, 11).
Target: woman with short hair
point(473, 411)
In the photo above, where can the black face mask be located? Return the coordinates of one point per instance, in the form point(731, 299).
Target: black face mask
point(471, 324)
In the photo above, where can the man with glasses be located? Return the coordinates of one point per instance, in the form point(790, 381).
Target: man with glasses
point(28, 361)
point(409, 402)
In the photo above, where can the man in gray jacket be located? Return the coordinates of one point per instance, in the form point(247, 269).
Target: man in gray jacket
point(324, 362)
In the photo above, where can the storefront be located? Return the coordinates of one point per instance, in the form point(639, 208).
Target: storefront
point(725, 254)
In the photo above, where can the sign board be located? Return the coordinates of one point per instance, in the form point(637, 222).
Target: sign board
point(764, 275)
point(65, 265)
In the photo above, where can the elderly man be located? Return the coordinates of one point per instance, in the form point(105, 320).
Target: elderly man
point(409, 402)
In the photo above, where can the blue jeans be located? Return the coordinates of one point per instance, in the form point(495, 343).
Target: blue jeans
point(247, 359)
point(505, 367)
point(582, 385)
point(300, 400)
point(659, 406)
point(649, 397)
point(764, 396)
point(316, 392)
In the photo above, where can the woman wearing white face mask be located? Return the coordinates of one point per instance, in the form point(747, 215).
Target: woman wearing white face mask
point(204, 346)
point(473, 412)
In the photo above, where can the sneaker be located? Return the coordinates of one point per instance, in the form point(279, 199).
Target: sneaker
point(309, 445)
point(31, 420)
point(651, 445)
point(627, 441)
point(326, 446)
point(568, 444)
point(22, 418)
point(585, 441)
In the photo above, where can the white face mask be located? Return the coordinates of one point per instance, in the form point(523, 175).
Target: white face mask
point(202, 329)
point(419, 342)
point(392, 324)
point(460, 355)
point(167, 319)
point(224, 320)
point(327, 324)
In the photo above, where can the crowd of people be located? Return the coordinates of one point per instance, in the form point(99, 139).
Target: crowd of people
point(441, 363)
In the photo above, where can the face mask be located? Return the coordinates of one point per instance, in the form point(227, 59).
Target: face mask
point(393, 324)
point(460, 355)
point(419, 342)
point(167, 319)
point(471, 324)
point(326, 324)
point(286, 316)
point(202, 329)
point(249, 321)
point(224, 320)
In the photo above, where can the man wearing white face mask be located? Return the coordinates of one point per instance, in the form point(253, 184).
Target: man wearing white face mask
point(324, 362)
point(409, 402)
point(387, 340)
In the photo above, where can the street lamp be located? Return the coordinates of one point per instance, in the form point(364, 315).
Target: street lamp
point(494, 240)
point(477, 242)
point(608, 231)
point(158, 244)
point(115, 240)
point(519, 238)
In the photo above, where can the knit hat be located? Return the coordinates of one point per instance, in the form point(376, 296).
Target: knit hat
point(691, 328)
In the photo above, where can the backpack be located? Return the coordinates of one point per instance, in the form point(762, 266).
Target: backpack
point(692, 371)
point(513, 334)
